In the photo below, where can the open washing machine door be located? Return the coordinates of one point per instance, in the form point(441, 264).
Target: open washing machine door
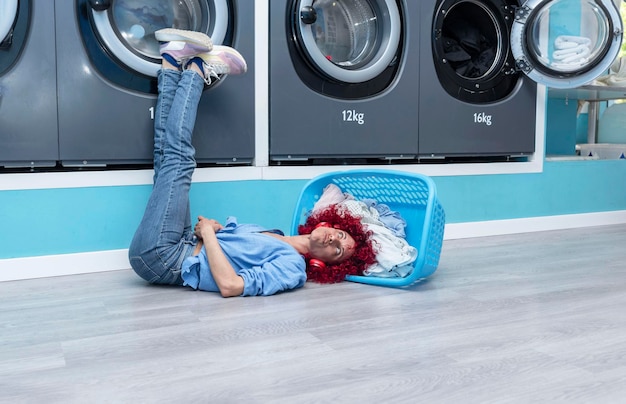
point(28, 124)
point(121, 32)
point(346, 43)
point(566, 43)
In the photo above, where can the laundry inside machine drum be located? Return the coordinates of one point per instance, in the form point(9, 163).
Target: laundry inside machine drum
point(346, 33)
point(472, 40)
point(471, 49)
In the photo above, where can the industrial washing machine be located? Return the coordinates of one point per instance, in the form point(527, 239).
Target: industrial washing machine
point(108, 60)
point(28, 102)
point(481, 60)
point(343, 80)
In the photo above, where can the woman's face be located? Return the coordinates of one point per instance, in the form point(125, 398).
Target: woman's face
point(331, 245)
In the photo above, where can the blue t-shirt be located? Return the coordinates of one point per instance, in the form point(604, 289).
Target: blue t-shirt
point(266, 264)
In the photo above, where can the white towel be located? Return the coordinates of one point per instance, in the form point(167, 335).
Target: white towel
point(394, 255)
point(571, 52)
point(570, 41)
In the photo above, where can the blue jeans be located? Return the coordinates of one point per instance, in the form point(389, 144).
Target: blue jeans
point(164, 237)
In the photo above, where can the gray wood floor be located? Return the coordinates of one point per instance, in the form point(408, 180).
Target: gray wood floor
point(528, 318)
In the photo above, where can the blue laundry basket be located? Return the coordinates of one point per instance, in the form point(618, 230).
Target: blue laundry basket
point(414, 196)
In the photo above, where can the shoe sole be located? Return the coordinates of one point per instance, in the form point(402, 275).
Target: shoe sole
point(173, 34)
point(232, 55)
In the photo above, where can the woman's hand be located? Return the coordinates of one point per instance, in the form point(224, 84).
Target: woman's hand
point(228, 282)
point(205, 224)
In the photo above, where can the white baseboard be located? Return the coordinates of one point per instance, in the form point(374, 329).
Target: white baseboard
point(13, 269)
point(73, 264)
point(532, 224)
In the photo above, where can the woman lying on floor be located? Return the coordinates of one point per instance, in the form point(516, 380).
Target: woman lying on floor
point(233, 259)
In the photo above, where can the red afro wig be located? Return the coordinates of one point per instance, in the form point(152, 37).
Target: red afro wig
point(364, 254)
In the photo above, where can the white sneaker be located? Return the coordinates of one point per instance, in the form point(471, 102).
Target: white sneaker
point(222, 60)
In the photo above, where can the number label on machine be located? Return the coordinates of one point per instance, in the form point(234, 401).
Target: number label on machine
point(351, 115)
point(481, 117)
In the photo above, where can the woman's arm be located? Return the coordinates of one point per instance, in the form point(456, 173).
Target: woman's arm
point(229, 283)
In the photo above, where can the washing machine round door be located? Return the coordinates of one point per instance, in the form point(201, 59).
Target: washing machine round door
point(470, 46)
point(566, 43)
point(349, 41)
point(8, 12)
point(126, 27)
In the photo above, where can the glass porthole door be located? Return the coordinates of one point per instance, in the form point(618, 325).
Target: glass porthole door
point(349, 41)
point(566, 43)
point(126, 27)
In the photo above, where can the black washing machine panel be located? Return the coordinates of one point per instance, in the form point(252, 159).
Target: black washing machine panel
point(14, 20)
point(474, 104)
point(471, 49)
point(351, 94)
point(118, 35)
point(346, 49)
point(28, 82)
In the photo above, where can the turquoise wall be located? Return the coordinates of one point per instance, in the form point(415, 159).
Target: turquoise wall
point(73, 220)
point(562, 125)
